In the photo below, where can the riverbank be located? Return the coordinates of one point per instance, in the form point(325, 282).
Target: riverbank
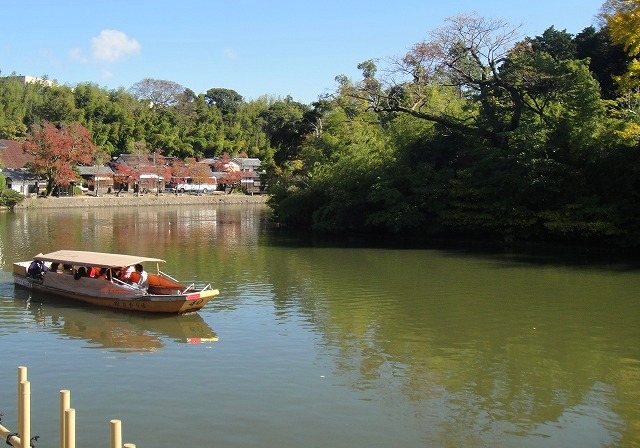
point(130, 200)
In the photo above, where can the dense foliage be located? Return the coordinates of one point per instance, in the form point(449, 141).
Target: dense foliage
point(154, 114)
point(476, 132)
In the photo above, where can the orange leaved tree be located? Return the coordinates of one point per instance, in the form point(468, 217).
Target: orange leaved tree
point(57, 151)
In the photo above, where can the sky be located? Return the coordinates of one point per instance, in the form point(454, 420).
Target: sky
point(277, 48)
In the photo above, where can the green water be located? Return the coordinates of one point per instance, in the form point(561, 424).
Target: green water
point(318, 345)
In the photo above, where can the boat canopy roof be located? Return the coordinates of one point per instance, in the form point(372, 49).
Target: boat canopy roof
point(95, 259)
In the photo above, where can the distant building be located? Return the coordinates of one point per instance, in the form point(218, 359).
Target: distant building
point(12, 155)
point(150, 172)
point(248, 167)
point(251, 176)
point(22, 180)
point(14, 161)
point(24, 79)
point(247, 163)
point(97, 178)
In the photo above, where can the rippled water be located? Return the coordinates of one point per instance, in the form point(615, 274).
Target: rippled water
point(319, 345)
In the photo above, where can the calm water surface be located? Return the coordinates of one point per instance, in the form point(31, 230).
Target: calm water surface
point(316, 345)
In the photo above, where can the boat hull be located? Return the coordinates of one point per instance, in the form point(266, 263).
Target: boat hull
point(101, 292)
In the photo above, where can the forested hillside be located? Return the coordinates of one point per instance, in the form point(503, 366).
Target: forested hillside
point(477, 131)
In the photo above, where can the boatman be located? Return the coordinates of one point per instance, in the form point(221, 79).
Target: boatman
point(143, 281)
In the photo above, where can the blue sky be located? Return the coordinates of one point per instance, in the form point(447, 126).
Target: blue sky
point(255, 47)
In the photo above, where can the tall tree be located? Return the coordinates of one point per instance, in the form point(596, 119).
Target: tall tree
point(285, 124)
point(158, 92)
point(623, 20)
point(606, 59)
point(461, 61)
point(226, 100)
point(57, 151)
point(559, 44)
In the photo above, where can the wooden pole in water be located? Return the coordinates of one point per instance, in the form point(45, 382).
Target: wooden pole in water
point(24, 420)
point(22, 376)
point(116, 434)
point(70, 428)
point(65, 403)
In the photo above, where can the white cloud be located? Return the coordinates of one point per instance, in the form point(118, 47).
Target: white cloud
point(76, 55)
point(231, 53)
point(112, 45)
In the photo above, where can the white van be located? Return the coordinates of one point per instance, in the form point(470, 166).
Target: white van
point(196, 188)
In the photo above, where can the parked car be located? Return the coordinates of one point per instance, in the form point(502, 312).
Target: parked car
point(196, 188)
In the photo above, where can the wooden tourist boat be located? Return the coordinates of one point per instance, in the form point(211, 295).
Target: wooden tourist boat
point(163, 295)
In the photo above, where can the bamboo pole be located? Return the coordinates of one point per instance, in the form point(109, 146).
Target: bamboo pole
point(22, 376)
point(24, 419)
point(65, 403)
point(70, 428)
point(13, 440)
point(116, 434)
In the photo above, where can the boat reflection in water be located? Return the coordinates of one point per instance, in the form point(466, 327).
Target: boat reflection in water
point(119, 331)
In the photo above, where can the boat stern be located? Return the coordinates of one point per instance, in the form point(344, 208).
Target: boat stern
point(20, 276)
point(20, 268)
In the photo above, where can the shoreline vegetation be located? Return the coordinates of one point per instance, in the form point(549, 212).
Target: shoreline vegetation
point(131, 200)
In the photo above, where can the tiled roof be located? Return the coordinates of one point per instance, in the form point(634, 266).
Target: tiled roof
point(18, 174)
point(12, 155)
point(95, 170)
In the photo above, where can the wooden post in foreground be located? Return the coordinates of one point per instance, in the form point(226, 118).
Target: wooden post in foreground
point(65, 403)
point(24, 419)
point(22, 377)
point(116, 433)
point(70, 428)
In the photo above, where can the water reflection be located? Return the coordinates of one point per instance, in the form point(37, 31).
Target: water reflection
point(391, 347)
point(483, 344)
point(115, 330)
point(174, 231)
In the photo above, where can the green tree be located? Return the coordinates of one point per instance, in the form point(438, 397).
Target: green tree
point(286, 125)
point(460, 62)
point(560, 45)
point(606, 60)
point(9, 198)
point(13, 109)
point(328, 186)
point(226, 100)
point(58, 106)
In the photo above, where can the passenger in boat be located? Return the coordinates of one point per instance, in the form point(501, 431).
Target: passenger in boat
point(143, 281)
point(126, 274)
point(93, 272)
point(55, 267)
point(81, 272)
point(67, 269)
point(37, 269)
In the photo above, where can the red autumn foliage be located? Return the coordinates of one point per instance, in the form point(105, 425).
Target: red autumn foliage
point(198, 172)
point(57, 151)
point(223, 163)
